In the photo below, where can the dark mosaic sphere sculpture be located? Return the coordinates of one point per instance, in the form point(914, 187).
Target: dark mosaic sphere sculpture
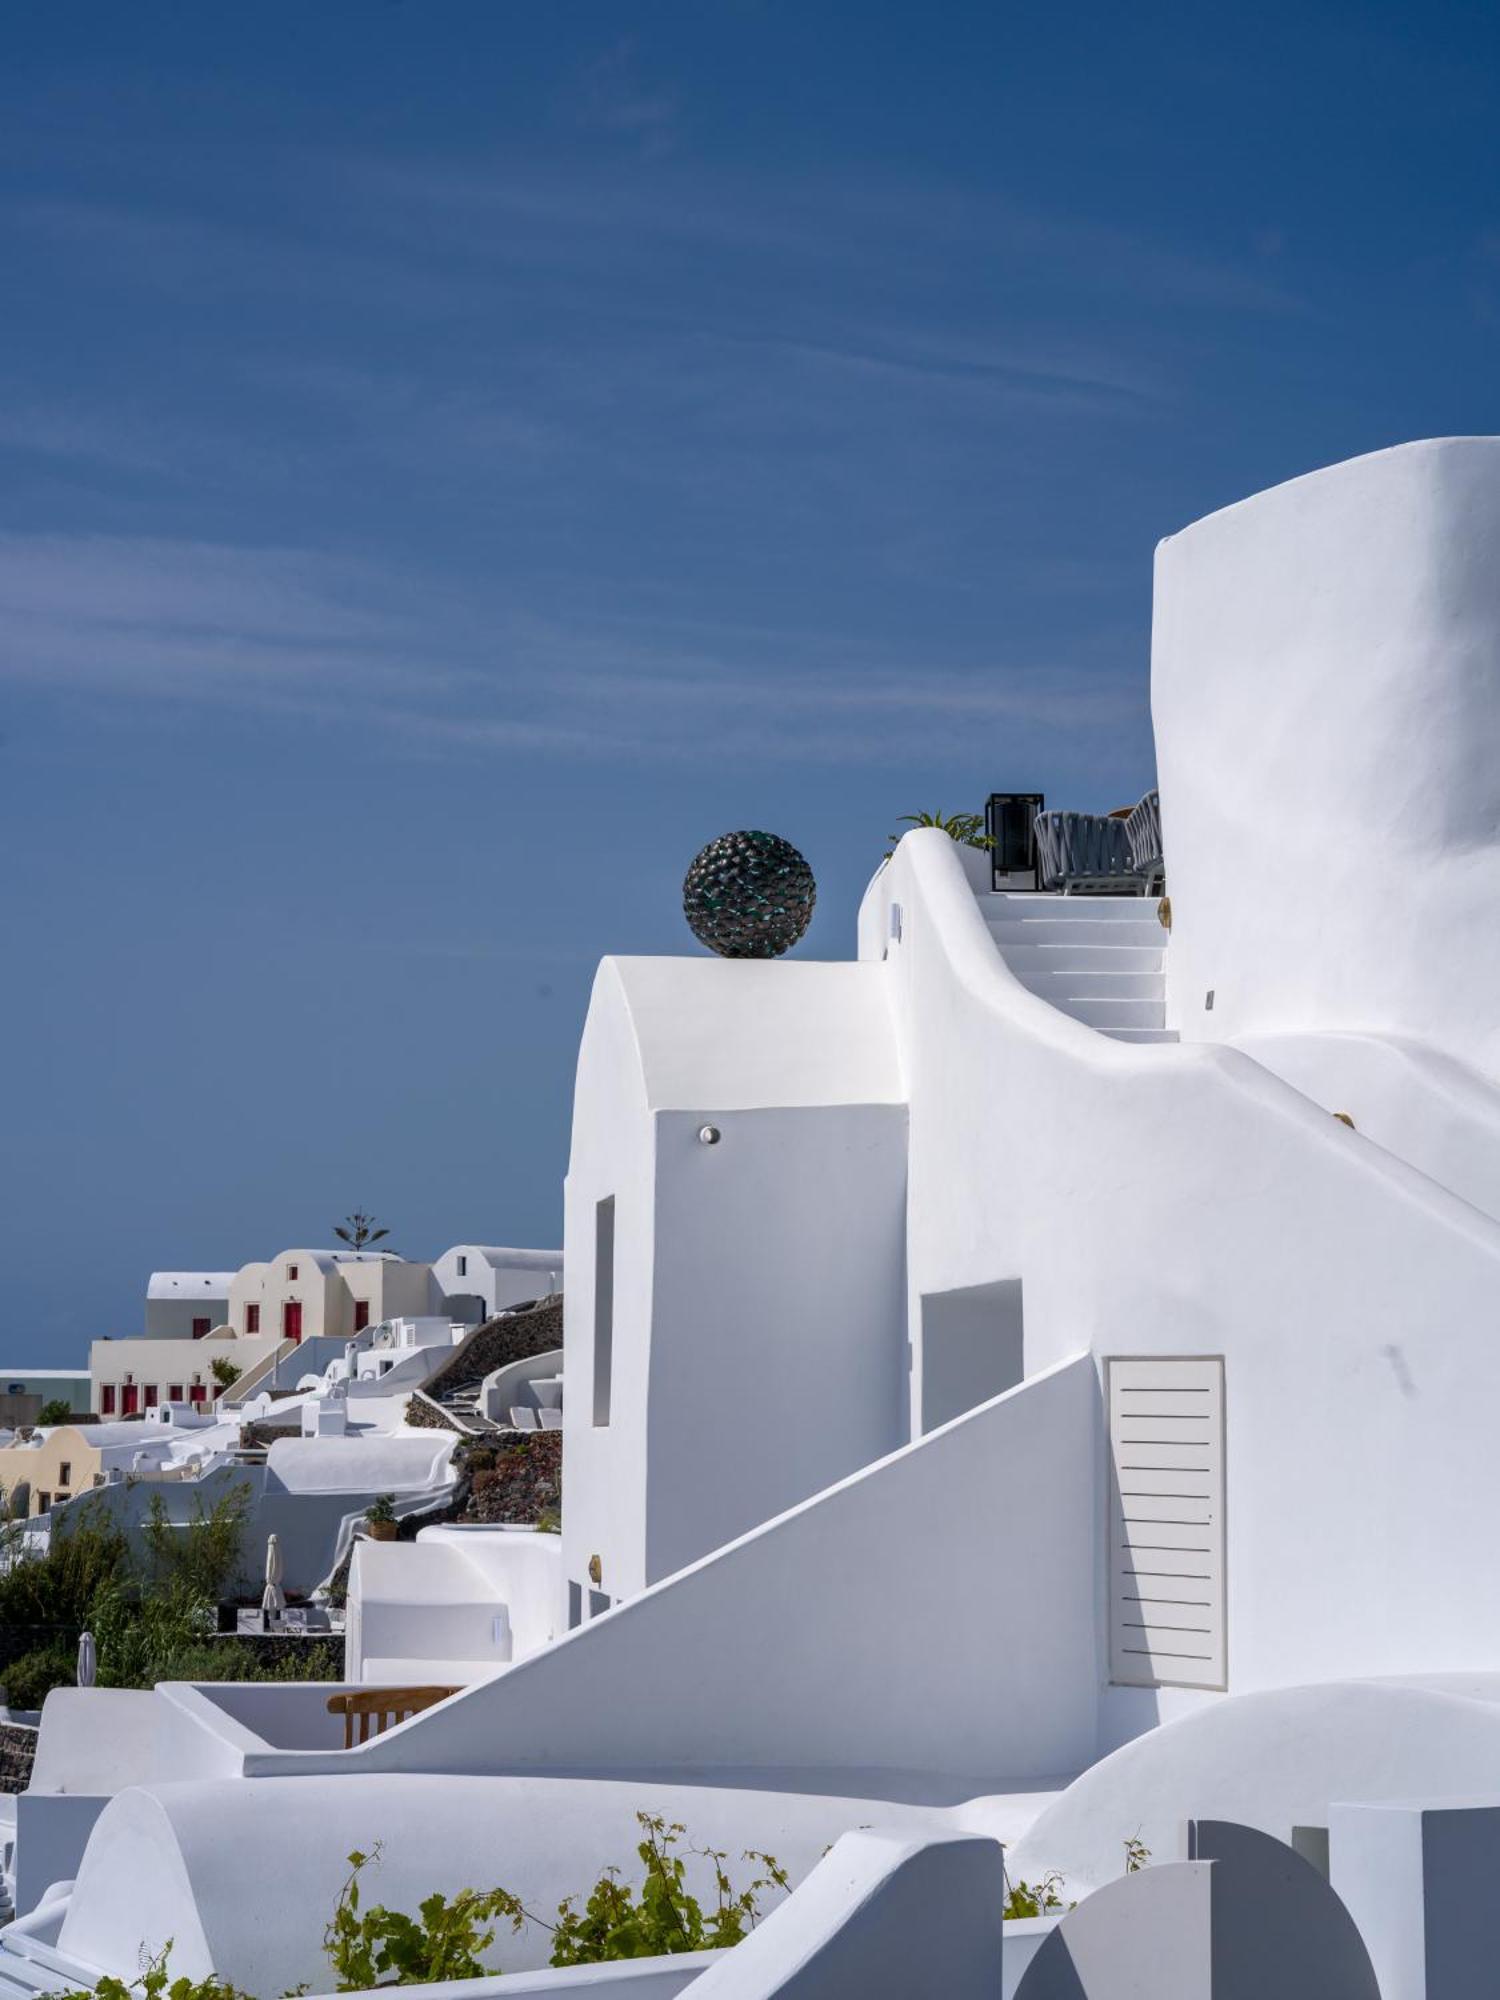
point(749, 895)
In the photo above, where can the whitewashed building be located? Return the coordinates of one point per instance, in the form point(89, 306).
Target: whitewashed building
point(186, 1305)
point(1032, 1382)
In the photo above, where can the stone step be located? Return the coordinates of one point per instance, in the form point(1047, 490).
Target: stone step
point(1108, 1015)
point(1144, 934)
point(1143, 1034)
point(1070, 909)
point(1024, 957)
point(1063, 988)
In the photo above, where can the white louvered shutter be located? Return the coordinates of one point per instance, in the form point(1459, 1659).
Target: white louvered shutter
point(1166, 1533)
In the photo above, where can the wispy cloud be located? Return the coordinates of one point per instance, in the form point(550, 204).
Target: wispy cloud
point(273, 631)
point(617, 100)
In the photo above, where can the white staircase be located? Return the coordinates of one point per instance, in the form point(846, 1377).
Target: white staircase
point(1097, 958)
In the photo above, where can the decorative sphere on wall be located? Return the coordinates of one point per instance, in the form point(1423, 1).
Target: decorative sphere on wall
point(749, 895)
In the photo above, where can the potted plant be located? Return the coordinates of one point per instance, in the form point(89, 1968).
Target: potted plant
point(380, 1518)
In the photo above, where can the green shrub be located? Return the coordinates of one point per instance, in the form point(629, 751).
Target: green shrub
point(156, 1984)
point(87, 1551)
point(366, 1947)
point(967, 829)
point(235, 1660)
point(1028, 1899)
point(58, 1410)
point(448, 1937)
point(152, 1612)
point(381, 1509)
point(29, 1680)
point(667, 1917)
point(204, 1555)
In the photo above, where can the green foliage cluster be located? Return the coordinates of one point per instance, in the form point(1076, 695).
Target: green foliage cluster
point(373, 1946)
point(381, 1508)
point(447, 1939)
point(1032, 1899)
point(381, 1947)
point(223, 1371)
point(667, 1916)
point(965, 828)
point(156, 1983)
point(152, 1608)
point(57, 1410)
point(1040, 1899)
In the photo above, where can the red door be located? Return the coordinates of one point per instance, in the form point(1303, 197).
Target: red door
point(130, 1400)
point(361, 1315)
point(291, 1320)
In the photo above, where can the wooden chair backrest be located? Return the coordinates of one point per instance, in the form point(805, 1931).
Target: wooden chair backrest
point(382, 1706)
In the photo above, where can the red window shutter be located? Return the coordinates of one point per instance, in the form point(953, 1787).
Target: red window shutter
point(107, 1400)
point(201, 1327)
point(148, 1394)
point(252, 1319)
point(174, 1393)
point(361, 1315)
point(197, 1393)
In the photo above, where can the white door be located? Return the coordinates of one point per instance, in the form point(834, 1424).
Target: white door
point(1166, 1521)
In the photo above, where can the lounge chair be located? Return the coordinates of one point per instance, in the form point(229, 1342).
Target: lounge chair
point(1083, 852)
point(1143, 829)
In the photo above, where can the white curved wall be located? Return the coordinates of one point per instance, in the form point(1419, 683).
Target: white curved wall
point(211, 1866)
point(1325, 687)
point(1272, 1761)
point(1178, 1201)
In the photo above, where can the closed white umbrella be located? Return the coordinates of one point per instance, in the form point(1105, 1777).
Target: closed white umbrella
point(272, 1602)
point(88, 1660)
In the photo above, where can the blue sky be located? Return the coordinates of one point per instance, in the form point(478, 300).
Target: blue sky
point(455, 459)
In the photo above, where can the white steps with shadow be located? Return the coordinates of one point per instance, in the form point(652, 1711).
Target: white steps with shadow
point(1098, 959)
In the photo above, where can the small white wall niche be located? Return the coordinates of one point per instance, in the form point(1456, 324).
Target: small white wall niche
point(1166, 1521)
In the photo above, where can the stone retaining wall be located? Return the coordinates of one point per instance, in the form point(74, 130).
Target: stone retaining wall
point(17, 1754)
point(512, 1337)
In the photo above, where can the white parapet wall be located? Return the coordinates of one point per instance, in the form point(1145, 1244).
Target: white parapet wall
point(155, 1867)
point(933, 1619)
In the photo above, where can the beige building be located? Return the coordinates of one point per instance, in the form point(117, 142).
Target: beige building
point(61, 1463)
point(309, 1294)
point(132, 1376)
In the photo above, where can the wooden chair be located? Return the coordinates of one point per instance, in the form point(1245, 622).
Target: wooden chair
point(383, 1706)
